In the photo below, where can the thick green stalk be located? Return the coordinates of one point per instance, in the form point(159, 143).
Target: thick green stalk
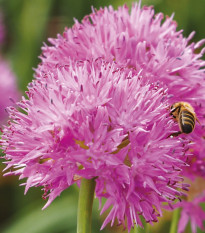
point(175, 219)
point(85, 204)
point(135, 230)
point(147, 228)
point(138, 229)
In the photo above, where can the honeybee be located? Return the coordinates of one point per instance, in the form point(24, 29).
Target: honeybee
point(184, 114)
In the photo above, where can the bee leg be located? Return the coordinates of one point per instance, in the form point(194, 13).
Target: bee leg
point(175, 134)
point(198, 120)
point(173, 110)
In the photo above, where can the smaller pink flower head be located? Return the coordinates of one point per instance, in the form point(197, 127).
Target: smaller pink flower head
point(193, 212)
point(8, 89)
point(90, 119)
point(135, 38)
point(196, 158)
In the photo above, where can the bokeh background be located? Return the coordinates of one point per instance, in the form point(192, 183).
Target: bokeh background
point(28, 24)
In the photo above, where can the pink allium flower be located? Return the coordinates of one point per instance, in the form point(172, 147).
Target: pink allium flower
point(111, 121)
point(193, 212)
point(8, 88)
point(139, 39)
point(93, 120)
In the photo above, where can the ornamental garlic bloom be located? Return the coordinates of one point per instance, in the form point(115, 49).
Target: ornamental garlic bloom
point(98, 109)
point(140, 40)
point(8, 88)
point(193, 212)
point(93, 120)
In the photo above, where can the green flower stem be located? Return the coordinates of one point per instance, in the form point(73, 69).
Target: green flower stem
point(175, 219)
point(138, 229)
point(85, 204)
point(147, 228)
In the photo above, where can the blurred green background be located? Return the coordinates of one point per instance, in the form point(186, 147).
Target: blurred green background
point(28, 23)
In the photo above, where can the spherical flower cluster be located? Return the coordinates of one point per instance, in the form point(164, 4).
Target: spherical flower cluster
point(93, 120)
point(99, 109)
point(139, 40)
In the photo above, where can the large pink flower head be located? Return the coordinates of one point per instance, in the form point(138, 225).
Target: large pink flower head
point(139, 39)
point(8, 89)
point(92, 120)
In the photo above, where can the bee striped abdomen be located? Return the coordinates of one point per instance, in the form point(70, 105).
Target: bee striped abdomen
point(187, 121)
